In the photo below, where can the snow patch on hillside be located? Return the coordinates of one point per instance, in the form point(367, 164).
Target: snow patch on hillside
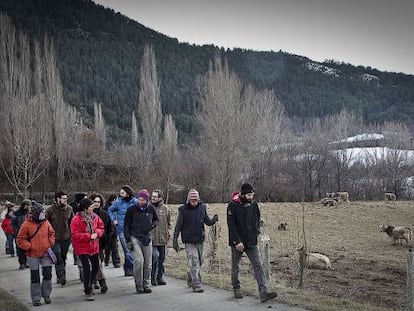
point(322, 68)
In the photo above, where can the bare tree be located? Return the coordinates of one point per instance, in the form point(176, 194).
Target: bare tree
point(169, 152)
point(149, 103)
point(99, 124)
point(23, 111)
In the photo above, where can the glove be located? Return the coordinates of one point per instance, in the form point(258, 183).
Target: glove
point(176, 246)
point(130, 246)
point(215, 218)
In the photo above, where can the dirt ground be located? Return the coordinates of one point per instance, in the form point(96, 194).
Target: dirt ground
point(366, 267)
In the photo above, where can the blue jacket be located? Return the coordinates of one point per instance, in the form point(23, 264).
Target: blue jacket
point(118, 210)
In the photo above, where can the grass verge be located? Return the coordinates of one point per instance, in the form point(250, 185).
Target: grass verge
point(10, 303)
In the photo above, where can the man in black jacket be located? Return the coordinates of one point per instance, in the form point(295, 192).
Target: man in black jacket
point(139, 221)
point(243, 221)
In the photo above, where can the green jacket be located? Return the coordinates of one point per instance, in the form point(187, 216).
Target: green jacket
point(60, 218)
point(161, 233)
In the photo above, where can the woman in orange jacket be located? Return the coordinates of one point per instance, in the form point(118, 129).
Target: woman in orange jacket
point(86, 228)
point(35, 237)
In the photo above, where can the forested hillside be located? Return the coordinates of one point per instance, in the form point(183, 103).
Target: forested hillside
point(99, 51)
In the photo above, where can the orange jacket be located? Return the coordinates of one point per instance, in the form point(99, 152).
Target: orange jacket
point(38, 245)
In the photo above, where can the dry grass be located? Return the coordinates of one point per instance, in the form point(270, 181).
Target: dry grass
point(10, 303)
point(368, 272)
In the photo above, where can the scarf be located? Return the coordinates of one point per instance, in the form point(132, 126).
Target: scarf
point(88, 218)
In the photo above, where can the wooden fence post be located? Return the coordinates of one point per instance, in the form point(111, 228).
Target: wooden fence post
point(410, 306)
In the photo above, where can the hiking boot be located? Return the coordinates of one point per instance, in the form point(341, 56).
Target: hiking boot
point(189, 279)
point(90, 297)
point(161, 282)
point(139, 290)
point(147, 290)
point(267, 296)
point(96, 285)
point(154, 282)
point(47, 300)
point(117, 265)
point(198, 289)
point(22, 267)
point(104, 287)
point(106, 264)
point(237, 294)
point(37, 303)
point(62, 281)
point(128, 273)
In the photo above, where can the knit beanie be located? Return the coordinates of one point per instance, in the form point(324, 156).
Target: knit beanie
point(193, 195)
point(246, 188)
point(144, 194)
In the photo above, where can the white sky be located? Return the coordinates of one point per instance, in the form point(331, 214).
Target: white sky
point(376, 33)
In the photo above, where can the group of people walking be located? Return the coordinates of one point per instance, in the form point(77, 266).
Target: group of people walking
point(142, 223)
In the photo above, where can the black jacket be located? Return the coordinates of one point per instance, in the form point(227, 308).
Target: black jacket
point(106, 237)
point(243, 221)
point(139, 222)
point(190, 222)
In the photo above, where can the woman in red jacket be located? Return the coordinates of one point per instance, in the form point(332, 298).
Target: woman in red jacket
point(87, 228)
point(35, 236)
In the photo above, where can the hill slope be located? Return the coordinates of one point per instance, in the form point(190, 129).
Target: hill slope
point(99, 53)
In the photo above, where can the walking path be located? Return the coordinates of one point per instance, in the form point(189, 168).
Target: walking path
point(175, 296)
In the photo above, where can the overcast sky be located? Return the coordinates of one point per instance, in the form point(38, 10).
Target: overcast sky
point(376, 33)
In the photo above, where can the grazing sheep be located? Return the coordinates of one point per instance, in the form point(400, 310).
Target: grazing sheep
point(282, 226)
point(315, 260)
point(331, 195)
point(342, 196)
point(389, 196)
point(329, 202)
point(397, 233)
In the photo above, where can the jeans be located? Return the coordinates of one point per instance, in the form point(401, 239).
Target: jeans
point(158, 259)
point(195, 260)
point(10, 244)
point(255, 260)
point(60, 249)
point(90, 266)
point(129, 258)
point(142, 263)
point(40, 289)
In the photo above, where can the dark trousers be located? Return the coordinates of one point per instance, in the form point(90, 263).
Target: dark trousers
point(60, 249)
point(111, 248)
point(90, 269)
point(10, 244)
point(158, 259)
point(21, 255)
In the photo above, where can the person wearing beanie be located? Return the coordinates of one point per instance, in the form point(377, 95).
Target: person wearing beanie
point(116, 212)
point(192, 216)
point(60, 215)
point(243, 221)
point(161, 235)
point(19, 217)
point(35, 237)
point(87, 228)
point(140, 220)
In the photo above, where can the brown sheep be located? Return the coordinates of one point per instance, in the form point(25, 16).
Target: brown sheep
point(282, 226)
point(397, 233)
point(315, 260)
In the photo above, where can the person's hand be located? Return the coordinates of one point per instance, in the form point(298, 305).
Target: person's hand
point(130, 246)
point(240, 247)
point(115, 222)
point(176, 246)
point(94, 236)
point(215, 218)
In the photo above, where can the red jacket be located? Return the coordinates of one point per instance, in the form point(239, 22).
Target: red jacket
point(38, 244)
point(6, 226)
point(81, 238)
